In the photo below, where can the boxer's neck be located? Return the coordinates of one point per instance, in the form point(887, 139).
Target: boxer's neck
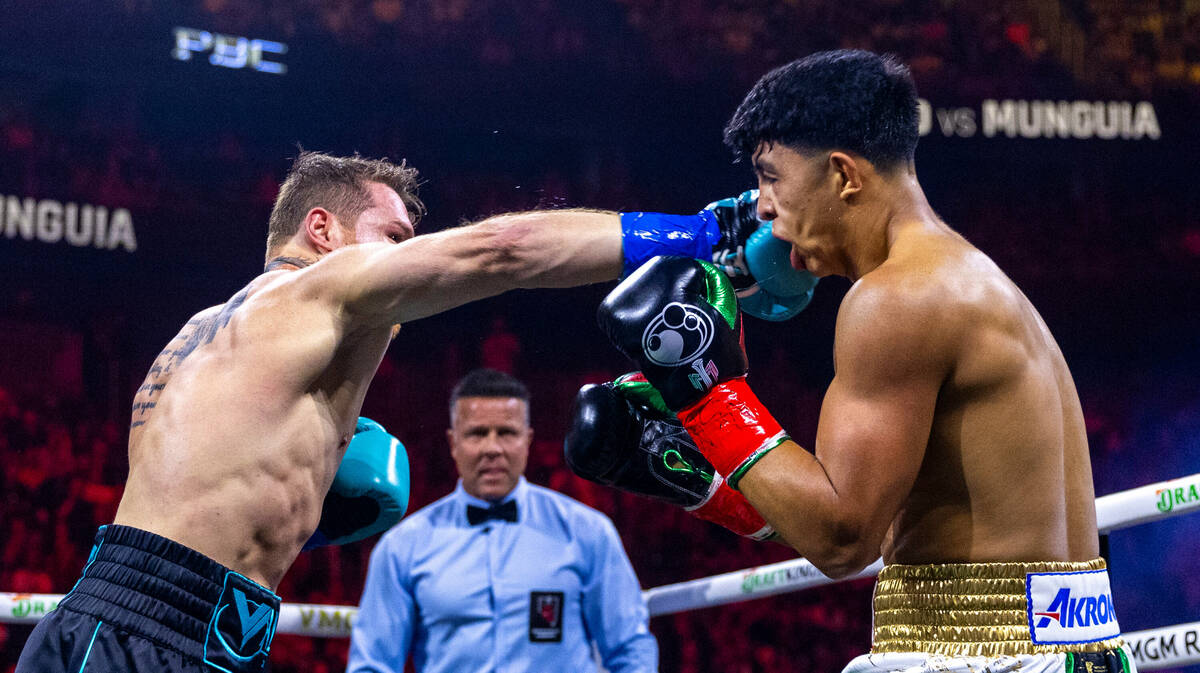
point(283, 262)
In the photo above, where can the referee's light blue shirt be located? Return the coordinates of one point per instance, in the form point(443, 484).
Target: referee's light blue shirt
point(461, 598)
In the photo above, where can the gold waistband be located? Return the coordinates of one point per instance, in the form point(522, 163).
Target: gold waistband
point(964, 609)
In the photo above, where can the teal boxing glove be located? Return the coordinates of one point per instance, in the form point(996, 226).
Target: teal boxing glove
point(369, 493)
point(780, 290)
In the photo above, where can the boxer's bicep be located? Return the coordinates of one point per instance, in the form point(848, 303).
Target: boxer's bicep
point(871, 443)
point(878, 411)
point(383, 284)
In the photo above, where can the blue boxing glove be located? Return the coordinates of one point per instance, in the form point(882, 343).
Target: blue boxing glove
point(718, 234)
point(369, 493)
point(729, 233)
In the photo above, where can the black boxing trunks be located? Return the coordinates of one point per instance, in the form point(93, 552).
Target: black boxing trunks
point(145, 603)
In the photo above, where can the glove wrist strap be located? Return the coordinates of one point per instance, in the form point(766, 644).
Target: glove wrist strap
point(647, 235)
point(730, 509)
point(732, 428)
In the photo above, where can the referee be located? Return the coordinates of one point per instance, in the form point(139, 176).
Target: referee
point(500, 575)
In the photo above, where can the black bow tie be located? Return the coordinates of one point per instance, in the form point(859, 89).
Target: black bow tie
point(505, 510)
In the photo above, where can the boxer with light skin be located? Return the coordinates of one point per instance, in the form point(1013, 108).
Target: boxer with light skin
point(292, 354)
point(951, 440)
point(243, 420)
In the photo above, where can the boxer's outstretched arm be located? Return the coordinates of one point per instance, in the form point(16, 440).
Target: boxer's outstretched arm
point(390, 284)
point(835, 507)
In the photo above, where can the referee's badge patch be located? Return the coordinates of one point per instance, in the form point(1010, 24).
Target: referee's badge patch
point(545, 616)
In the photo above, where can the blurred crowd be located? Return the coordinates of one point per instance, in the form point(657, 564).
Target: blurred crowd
point(1144, 46)
point(1130, 48)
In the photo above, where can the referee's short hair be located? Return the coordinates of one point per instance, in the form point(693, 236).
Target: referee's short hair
point(485, 382)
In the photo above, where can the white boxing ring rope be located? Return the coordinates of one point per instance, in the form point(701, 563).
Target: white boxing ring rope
point(1164, 647)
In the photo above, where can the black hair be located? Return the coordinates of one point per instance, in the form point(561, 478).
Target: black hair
point(845, 99)
point(488, 383)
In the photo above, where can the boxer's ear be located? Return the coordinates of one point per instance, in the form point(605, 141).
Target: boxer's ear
point(847, 173)
point(323, 231)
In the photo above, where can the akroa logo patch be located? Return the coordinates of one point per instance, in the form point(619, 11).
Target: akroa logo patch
point(1071, 611)
point(1073, 607)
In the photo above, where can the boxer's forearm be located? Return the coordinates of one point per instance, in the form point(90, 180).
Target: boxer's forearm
point(556, 248)
point(791, 489)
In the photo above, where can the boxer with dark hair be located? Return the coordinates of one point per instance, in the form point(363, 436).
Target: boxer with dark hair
point(951, 439)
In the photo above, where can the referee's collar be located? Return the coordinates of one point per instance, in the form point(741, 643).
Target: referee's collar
point(518, 494)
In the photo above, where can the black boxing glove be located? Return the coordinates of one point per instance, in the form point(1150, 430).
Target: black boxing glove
point(678, 319)
point(622, 436)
